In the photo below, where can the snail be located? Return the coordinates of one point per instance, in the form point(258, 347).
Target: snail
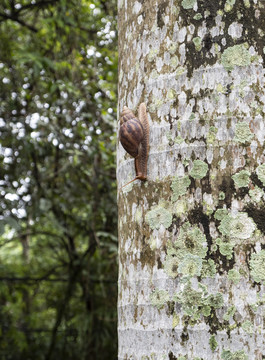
point(134, 137)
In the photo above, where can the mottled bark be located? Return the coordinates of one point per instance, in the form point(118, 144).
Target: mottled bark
point(192, 238)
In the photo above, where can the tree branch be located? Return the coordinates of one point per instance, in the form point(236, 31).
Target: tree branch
point(39, 4)
point(19, 21)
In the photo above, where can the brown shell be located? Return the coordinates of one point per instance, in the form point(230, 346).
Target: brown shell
point(131, 135)
point(134, 137)
point(126, 115)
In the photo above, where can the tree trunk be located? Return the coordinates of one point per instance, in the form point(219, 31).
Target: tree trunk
point(192, 254)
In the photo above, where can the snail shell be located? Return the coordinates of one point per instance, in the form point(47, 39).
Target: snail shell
point(134, 137)
point(131, 132)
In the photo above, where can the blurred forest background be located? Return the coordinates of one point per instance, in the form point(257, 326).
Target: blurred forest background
point(58, 241)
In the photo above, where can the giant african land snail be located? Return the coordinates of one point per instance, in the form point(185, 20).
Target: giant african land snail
point(134, 137)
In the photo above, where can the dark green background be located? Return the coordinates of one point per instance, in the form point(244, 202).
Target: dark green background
point(58, 219)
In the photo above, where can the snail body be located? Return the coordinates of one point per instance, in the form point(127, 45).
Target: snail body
point(134, 137)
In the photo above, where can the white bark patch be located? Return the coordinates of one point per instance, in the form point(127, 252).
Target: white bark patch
point(202, 31)
point(137, 7)
point(120, 4)
point(181, 35)
point(235, 30)
point(140, 19)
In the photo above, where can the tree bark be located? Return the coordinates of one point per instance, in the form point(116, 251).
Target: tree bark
point(192, 238)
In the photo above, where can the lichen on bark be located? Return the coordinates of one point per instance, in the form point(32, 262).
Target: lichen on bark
point(192, 237)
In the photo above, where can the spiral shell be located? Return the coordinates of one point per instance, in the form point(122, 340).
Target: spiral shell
point(131, 132)
point(134, 137)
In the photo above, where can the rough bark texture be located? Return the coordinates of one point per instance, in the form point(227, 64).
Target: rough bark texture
point(192, 239)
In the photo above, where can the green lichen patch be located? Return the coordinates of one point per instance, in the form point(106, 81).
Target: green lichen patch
point(171, 94)
point(211, 136)
point(234, 276)
point(180, 207)
point(208, 268)
point(229, 5)
point(179, 186)
point(155, 104)
point(220, 214)
point(198, 16)
point(208, 208)
point(179, 71)
point(199, 169)
point(247, 3)
point(215, 300)
point(197, 41)
point(230, 313)
point(256, 194)
point(221, 195)
point(243, 134)
point(190, 240)
point(254, 307)
point(237, 55)
point(158, 216)
point(238, 355)
point(190, 265)
point(260, 299)
point(196, 303)
point(247, 326)
point(225, 248)
point(152, 243)
point(188, 4)
point(241, 179)
point(191, 300)
point(206, 310)
point(159, 298)
point(213, 343)
point(220, 88)
point(261, 173)
point(257, 266)
point(152, 54)
point(174, 61)
point(239, 226)
point(179, 140)
point(175, 320)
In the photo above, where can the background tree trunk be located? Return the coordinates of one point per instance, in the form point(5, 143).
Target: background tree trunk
point(192, 264)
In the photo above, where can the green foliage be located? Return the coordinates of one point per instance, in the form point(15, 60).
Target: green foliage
point(58, 244)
